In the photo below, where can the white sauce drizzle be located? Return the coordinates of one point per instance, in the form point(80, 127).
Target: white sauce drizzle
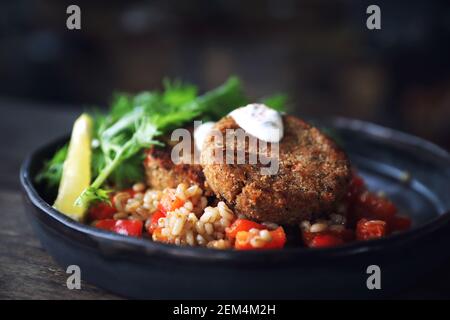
point(260, 121)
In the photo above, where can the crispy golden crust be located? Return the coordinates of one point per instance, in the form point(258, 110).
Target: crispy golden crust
point(313, 176)
point(162, 173)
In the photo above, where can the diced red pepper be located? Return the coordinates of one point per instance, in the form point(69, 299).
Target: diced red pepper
point(153, 223)
point(356, 187)
point(126, 227)
point(399, 223)
point(101, 211)
point(345, 235)
point(170, 202)
point(370, 229)
point(325, 240)
point(104, 210)
point(242, 225)
point(242, 240)
point(371, 207)
point(106, 224)
point(278, 239)
point(129, 227)
point(377, 207)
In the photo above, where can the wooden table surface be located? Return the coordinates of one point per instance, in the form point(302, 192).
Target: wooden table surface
point(26, 270)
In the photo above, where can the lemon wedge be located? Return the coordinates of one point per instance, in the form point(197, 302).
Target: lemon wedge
point(76, 175)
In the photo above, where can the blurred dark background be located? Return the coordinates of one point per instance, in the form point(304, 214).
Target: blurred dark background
point(319, 52)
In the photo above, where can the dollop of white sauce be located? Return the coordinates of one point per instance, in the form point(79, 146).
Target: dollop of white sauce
point(260, 121)
point(201, 132)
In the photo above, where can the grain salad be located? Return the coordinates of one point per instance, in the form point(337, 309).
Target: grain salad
point(181, 216)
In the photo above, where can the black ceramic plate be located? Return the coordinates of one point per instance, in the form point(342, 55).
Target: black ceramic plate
point(140, 268)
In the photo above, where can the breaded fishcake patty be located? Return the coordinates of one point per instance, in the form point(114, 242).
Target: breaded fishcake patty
point(162, 173)
point(313, 175)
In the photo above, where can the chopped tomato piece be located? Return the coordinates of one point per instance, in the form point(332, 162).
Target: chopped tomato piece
point(106, 224)
point(377, 207)
point(308, 237)
point(345, 235)
point(104, 210)
point(170, 202)
point(371, 207)
point(321, 239)
point(325, 240)
point(355, 188)
point(243, 240)
point(153, 223)
point(101, 211)
point(126, 227)
point(129, 227)
point(399, 223)
point(242, 225)
point(370, 229)
point(278, 239)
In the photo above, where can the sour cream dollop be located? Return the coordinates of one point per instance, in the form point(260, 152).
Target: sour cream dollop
point(260, 121)
point(201, 132)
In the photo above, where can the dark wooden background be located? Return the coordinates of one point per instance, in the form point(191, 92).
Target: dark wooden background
point(26, 270)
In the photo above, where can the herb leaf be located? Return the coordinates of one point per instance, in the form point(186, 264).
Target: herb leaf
point(276, 101)
point(52, 171)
